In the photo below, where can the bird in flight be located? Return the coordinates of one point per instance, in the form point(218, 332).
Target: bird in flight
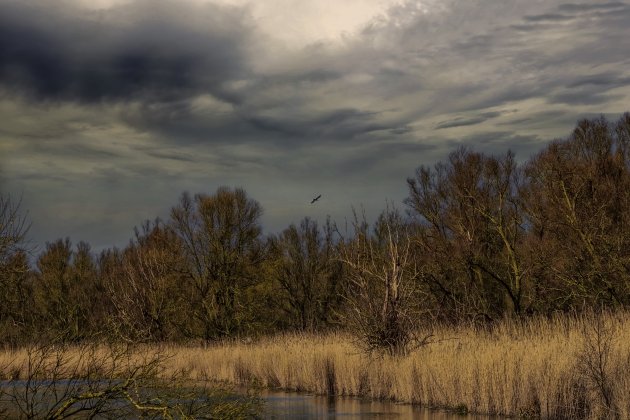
point(316, 198)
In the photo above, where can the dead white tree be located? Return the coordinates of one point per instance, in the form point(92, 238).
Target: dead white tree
point(383, 300)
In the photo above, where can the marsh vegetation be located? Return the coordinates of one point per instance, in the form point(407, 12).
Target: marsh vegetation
point(566, 366)
point(559, 367)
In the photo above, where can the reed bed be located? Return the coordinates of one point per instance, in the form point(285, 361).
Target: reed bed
point(562, 367)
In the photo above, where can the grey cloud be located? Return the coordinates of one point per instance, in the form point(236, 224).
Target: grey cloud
point(69, 149)
point(384, 159)
point(570, 11)
point(192, 108)
point(603, 79)
point(347, 123)
point(171, 156)
point(337, 125)
point(530, 26)
point(277, 126)
point(587, 7)
point(498, 137)
point(84, 151)
point(589, 90)
point(614, 13)
point(499, 142)
point(462, 122)
point(401, 130)
point(535, 119)
point(553, 17)
point(317, 75)
point(61, 53)
point(488, 44)
point(582, 98)
point(29, 175)
point(404, 148)
point(179, 123)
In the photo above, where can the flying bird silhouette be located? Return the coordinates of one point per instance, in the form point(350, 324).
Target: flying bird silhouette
point(316, 198)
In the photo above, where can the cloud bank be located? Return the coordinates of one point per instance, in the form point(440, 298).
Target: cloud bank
point(109, 113)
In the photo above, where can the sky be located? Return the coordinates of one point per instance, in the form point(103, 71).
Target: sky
point(111, 109)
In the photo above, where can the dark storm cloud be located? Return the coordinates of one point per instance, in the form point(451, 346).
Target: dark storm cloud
point(334, 125)
point(143, 49)
point(404, 56)
point(179, 121)
point(165, 96)
point(183, 122)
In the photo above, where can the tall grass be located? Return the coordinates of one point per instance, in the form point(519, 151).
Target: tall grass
point(563, 367)
point(540, 367)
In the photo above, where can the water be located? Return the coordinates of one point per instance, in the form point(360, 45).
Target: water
point(278, 404)
point(284, 405)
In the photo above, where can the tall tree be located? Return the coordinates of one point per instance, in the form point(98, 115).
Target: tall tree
point(147, 293)
point(220, 237)
point(308, 272)
point(472, 233)
point(14, 272)
point(59, 290)
point(579, 202)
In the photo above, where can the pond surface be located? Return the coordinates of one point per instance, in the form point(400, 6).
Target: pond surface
point(278, 404)
point(285, 405)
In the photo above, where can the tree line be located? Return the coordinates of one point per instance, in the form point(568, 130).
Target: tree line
point(480, 237)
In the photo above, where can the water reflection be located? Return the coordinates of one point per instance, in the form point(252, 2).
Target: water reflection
point(282, 405)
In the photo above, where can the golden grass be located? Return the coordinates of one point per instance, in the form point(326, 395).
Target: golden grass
point(566, 367)
point(532, 368)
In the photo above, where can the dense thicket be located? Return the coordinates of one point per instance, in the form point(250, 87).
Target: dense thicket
point(481, 237)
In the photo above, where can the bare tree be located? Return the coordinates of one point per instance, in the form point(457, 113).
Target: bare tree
point(15, 300)
point(308, 272)
point(13, 228)
point(382, 297)
point(56, 291)
point(473, 233)
point(578, 200)
point(146, 294)
point(220, 236)
point(15, 291)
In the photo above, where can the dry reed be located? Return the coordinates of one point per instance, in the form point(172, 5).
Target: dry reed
point(563, 367)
